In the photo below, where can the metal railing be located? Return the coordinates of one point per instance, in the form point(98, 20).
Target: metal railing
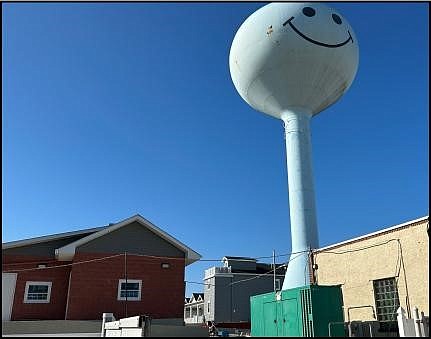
point(217, 270)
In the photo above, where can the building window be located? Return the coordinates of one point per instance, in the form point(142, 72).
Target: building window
point(38, 292)
point(130, 289)
point(387, 303)
point(277, 284)
point(194, 311)
point(208, 307)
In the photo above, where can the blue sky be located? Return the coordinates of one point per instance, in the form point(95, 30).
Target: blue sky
point(115, 109)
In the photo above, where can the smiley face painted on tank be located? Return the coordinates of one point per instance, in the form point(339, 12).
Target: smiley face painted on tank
point(307, 15)
point(293, 56)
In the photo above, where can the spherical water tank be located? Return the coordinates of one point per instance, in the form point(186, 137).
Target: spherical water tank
point(293, 56)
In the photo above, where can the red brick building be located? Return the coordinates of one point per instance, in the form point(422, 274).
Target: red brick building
point(128, 268)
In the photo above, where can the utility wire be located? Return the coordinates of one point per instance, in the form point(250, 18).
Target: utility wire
point(319, 251)
point(116, 255)
point(399, 263)
point(65, 265)
point(30, 262)
point(203, 260)
point(269, 272)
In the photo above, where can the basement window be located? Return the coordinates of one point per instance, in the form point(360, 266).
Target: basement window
point(130, 290)
point(37, 292)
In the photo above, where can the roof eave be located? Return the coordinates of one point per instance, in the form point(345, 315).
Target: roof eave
point(67, 252)
point(46, 238)
point(373, 234)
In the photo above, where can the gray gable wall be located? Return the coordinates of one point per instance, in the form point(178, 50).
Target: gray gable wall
point(231, 302)
point(133, 238)
point(44, 248)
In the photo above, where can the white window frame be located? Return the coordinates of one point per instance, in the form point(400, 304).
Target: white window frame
point(32, 301)
point(120, 281)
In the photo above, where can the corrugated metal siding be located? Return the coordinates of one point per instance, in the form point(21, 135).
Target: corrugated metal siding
point(231, 303)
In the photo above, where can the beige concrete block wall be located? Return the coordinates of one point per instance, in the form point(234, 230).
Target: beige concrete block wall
point(380, 257)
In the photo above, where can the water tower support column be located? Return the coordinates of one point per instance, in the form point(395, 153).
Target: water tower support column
point(303, 221)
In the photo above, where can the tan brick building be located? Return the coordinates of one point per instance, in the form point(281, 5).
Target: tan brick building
point(379, 271)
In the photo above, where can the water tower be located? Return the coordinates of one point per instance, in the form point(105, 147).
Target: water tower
point(291, 61)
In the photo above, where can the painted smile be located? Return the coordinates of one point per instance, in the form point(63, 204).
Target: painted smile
point(314, 41)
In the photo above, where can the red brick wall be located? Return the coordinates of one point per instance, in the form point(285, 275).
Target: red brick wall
point(59, 277)
point(94, 287)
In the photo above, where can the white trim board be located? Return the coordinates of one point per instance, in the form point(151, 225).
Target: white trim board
point(388, 229)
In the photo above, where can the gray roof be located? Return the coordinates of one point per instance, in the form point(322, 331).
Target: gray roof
point(46, 238)
point(67, 252)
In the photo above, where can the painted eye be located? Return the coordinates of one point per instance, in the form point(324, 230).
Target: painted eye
point(308, 11)
point(337, 19)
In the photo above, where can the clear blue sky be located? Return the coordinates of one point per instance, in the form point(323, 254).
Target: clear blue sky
point(115, 109)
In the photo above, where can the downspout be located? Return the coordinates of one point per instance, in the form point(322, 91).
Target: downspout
point(68, 294)
point(405, 280)
point(312, 268)
point(125, 277)
point(231, 301)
